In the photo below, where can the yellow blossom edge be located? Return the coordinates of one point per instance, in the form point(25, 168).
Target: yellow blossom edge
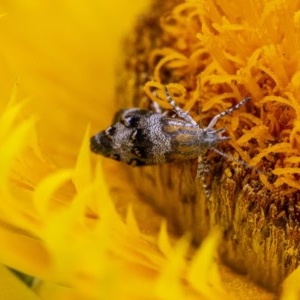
point(115, 249)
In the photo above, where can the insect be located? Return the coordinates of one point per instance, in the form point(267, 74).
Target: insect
point(141, 137)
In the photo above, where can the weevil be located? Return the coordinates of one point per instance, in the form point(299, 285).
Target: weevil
point(141, 137)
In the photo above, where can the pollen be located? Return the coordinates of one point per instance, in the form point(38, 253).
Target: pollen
point(211, 56)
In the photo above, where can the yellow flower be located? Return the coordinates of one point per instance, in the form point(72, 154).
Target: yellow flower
point(87, 231)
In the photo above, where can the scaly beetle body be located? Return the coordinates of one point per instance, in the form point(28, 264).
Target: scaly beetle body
point(141, 137)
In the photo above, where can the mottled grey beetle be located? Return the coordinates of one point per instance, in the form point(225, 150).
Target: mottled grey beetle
point(141, 137)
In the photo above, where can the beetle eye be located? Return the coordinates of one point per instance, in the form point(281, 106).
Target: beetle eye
point(110, 131)
point(131, 121)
